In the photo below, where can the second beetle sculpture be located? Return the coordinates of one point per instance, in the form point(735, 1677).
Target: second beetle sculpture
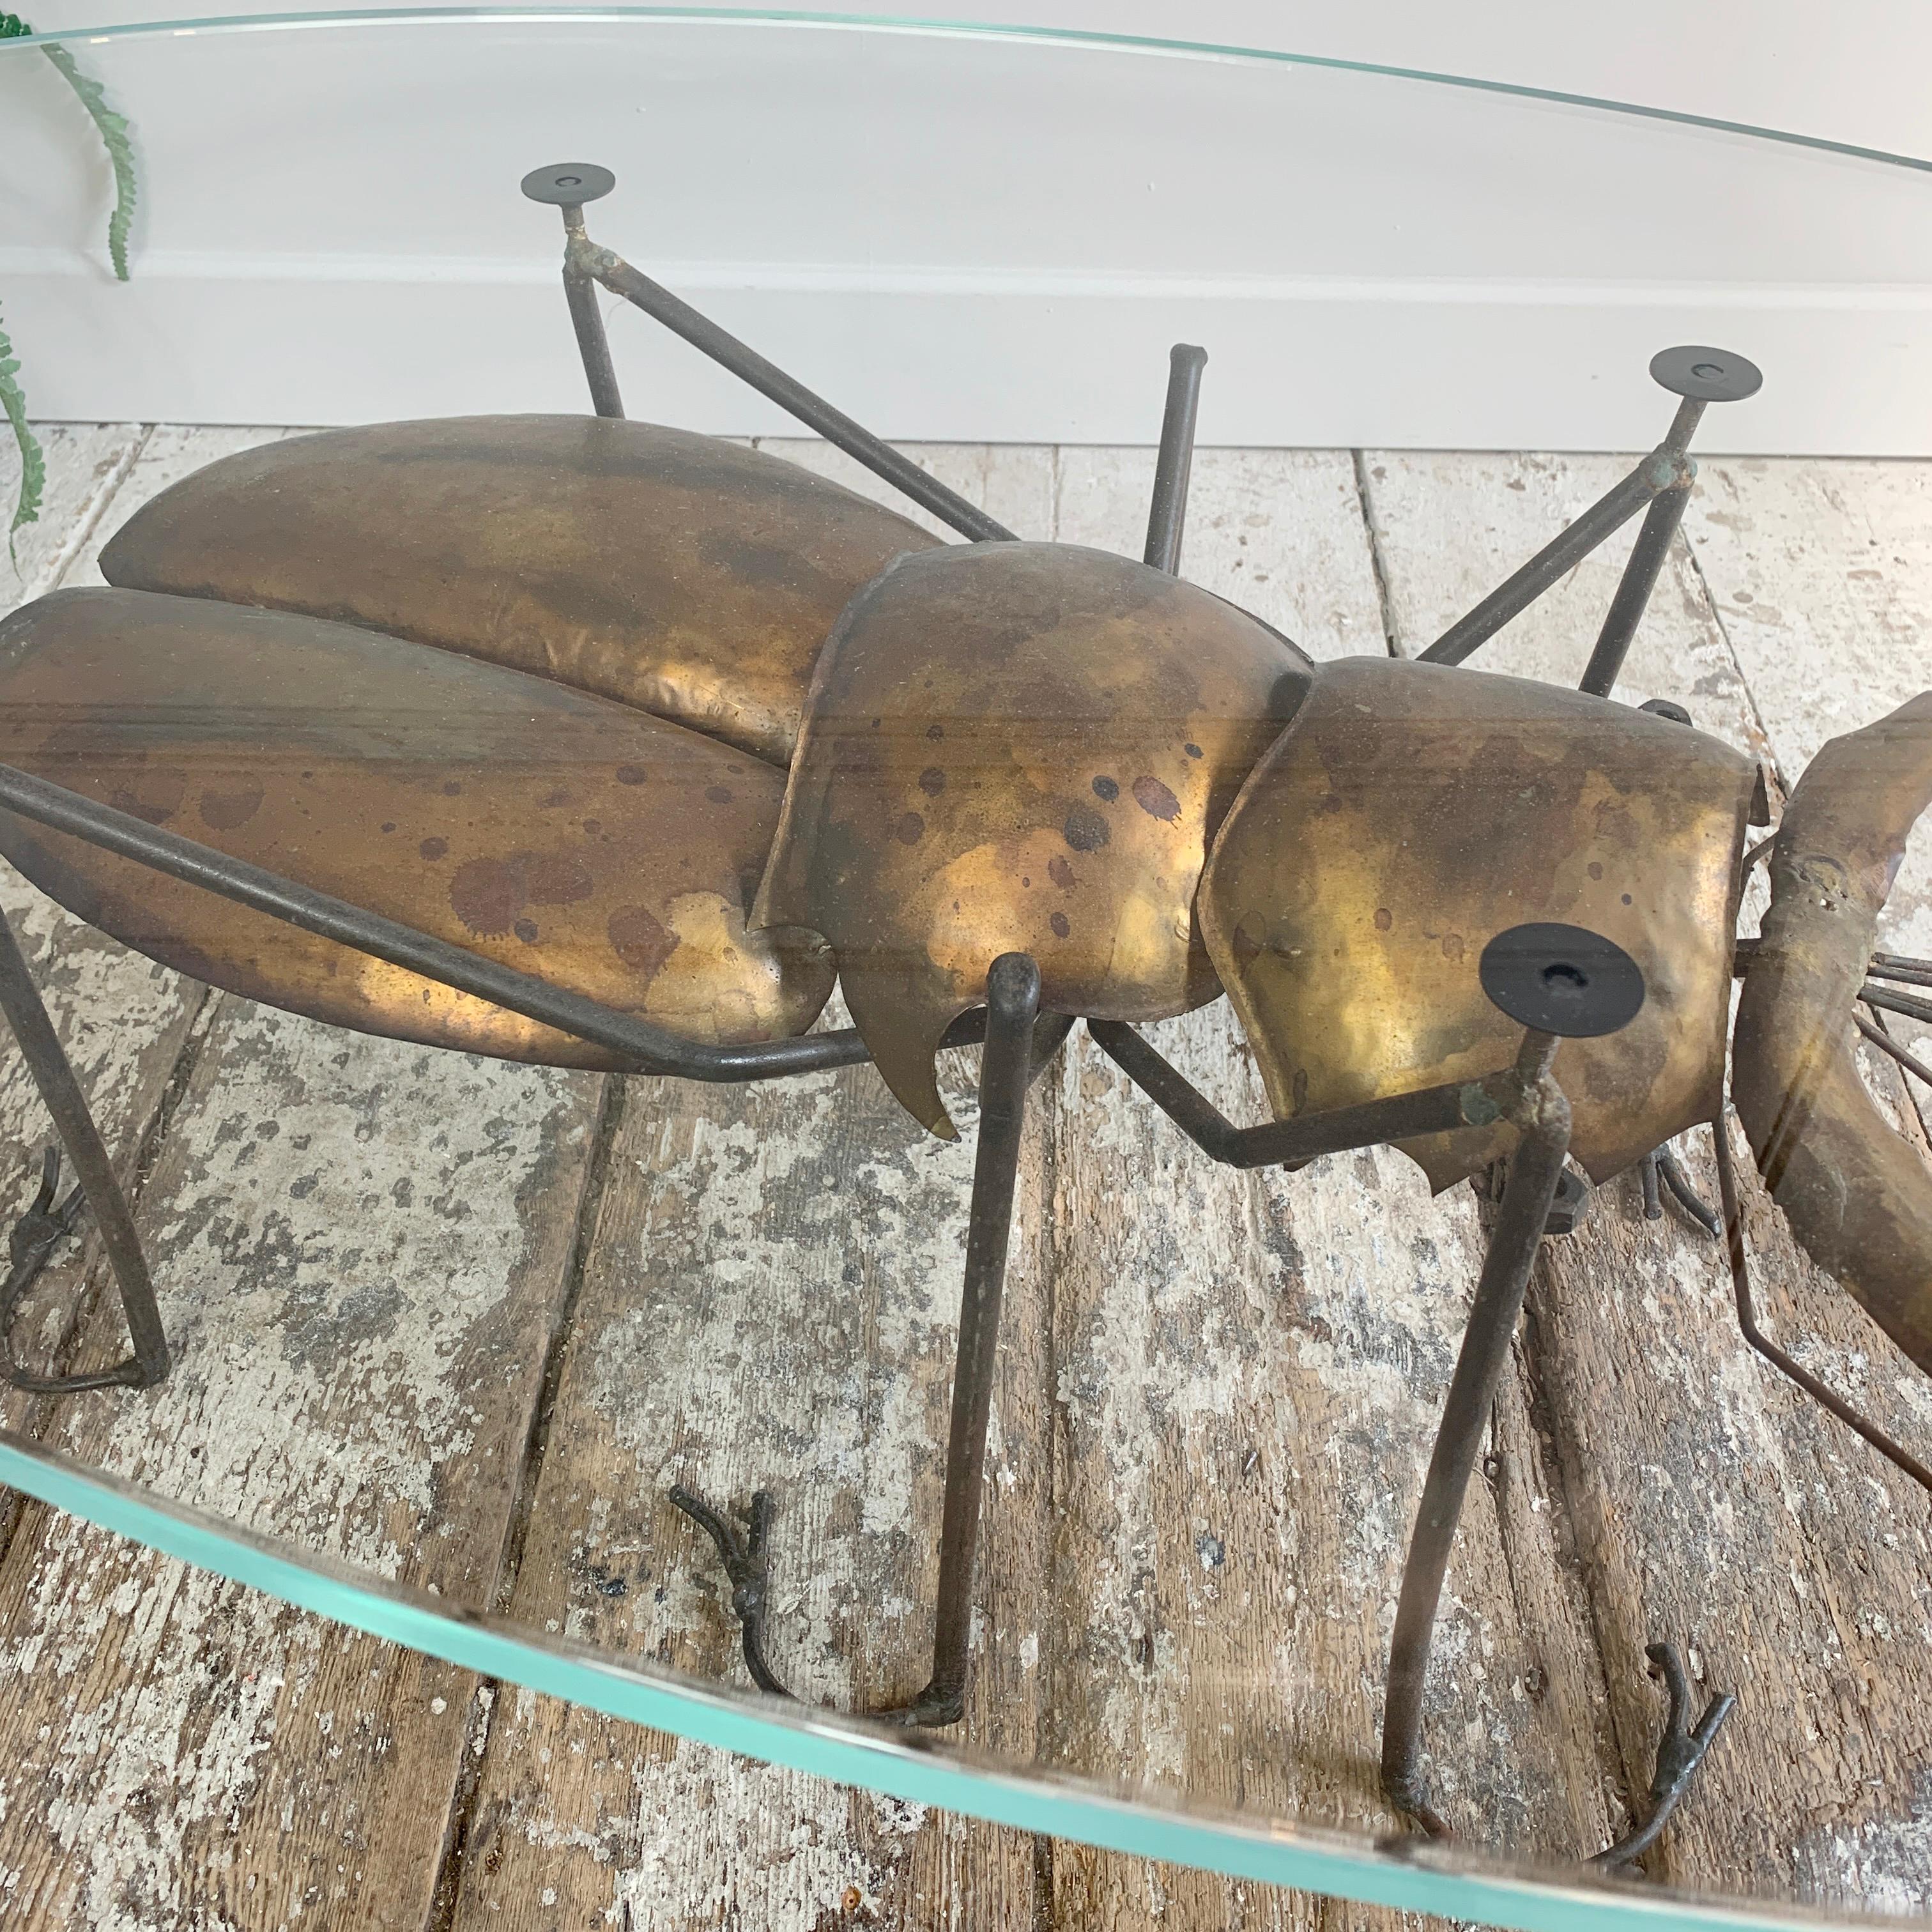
point(576, 740)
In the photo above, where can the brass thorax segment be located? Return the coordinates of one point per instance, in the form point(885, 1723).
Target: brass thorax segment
point(1413, 812)
point(1019, 748)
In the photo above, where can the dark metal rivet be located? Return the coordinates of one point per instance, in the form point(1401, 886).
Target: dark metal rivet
point(569, 184)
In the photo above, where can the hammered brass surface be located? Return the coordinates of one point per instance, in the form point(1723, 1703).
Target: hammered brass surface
point(1019, 748)
point(1411, 813)
point(675, 572)
point(1858, 1196)
point(594, 846)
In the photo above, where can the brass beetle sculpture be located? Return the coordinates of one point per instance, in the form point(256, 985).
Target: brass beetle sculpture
point(580, 741)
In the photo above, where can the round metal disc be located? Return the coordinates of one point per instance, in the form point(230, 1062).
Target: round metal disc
point(569, 184)
point(1562, 979)
point(1707, 375)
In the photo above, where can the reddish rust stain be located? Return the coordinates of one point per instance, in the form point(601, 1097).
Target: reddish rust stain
point(155, 796)
point(1384, 920)
point(1594, 869)
point(1155, 799)
point(640, 940)
point(910, 829)
point(553, 878)
point(225, 810)
point(434, 849)
point(932, 782)
point(1060, 872)
point(632, 775)
point(486, 895)
point(526, 929)
point(1061, 926)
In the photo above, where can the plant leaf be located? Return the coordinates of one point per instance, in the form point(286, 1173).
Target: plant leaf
point(112, 128)
point(33, 463)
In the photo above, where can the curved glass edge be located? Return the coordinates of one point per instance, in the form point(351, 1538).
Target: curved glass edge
point(1069, 37)
point(1410, 1875)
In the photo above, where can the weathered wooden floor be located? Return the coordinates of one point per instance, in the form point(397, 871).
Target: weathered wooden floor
point(463, 1323)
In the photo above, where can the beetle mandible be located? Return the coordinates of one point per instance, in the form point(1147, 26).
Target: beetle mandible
point(580, 741)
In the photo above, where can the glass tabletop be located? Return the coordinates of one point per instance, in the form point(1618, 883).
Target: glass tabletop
point(811, 993)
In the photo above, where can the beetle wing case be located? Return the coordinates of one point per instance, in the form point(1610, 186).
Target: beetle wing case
point(1412, 811)
point(1019, 747)
point(599, 847)
point(674, 572)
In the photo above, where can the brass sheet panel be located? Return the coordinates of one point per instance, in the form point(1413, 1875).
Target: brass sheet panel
point(1858, 1196)
point(591, 845)
point(1414, 811)
point(674, 572)
point(1020, 747)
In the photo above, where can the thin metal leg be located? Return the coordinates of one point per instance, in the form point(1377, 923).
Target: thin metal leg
point(1639, 578)
point(1534, 1169)
point(593, 344)
point(1006, 1071)
point(1167, 515)
point(40, 1048)
point(1657, 473)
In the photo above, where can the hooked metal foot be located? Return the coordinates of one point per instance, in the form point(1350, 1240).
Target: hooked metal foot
point(1661, 1165)
point(745, 1555)
point(41, 1228)
point(1680, 1751)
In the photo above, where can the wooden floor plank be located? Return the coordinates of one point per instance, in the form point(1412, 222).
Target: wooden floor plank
point(1249, 1370)
point(1821, 576)
point(359, 1250)
point(1711, 1504)
point(771, 1299)
point(122, 1019)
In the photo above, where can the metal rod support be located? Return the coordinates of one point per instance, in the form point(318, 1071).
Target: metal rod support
point(1006, 1071)
point(1167, 515)
point(593, 344)
point(1012, 1000)
point(1657, 472)
point(1534, 1170)
point(1908, 1005)
point(1645, 566)
point(1432, 1110)
point(40, 1048)
point(1884, 1041)
point(618, 276)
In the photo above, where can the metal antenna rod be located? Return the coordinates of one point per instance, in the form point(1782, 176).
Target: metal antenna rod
point(1167, 515)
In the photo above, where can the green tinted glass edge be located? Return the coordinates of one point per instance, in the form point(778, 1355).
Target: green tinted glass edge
point(1067, 37)
point(1408, 1874)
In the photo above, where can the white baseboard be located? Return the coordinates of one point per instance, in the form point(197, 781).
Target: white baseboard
point(1311, 362)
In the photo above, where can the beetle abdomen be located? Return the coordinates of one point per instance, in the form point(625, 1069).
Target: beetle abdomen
point(1019, 747)
point(686, 576)
point(607, 851)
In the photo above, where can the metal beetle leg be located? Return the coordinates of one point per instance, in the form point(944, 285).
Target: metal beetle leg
point(41, 1228)
point(1007, 1070)
point(1680, 1751)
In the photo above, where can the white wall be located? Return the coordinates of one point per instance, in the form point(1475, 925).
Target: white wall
point(985, 239)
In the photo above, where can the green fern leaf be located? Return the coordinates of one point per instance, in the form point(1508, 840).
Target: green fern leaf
point(112, 128)
point(33, 463)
